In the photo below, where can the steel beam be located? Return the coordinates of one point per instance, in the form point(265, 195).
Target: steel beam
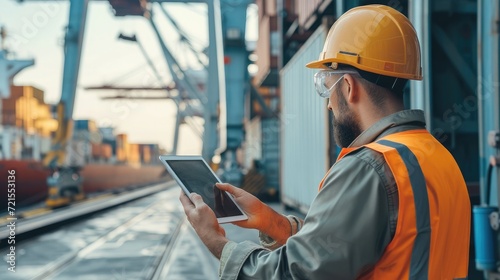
point(216, 87)
point(488, 89)
point(181, 79)
point(183, 36)
point(73, 42)
point(236, 62)
point(420, 91)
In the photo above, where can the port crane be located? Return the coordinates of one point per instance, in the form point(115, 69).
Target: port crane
point(222, 101)
point(9, 67)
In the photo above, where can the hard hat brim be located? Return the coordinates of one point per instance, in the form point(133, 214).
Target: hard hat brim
point(317, 64)
point(322, 64)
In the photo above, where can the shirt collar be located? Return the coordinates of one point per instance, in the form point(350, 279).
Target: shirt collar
point(396, 119)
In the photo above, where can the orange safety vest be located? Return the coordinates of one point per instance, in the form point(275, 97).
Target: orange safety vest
point(432, 234)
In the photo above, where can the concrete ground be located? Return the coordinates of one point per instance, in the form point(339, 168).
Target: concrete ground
point(191, 260)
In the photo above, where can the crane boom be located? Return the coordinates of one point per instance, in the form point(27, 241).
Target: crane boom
point(65, 183)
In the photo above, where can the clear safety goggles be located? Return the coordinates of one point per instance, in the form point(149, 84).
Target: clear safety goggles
point(322, 79)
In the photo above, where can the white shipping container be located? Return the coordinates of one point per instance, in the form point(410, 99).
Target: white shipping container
point(253, 143)
point(11, 142)
point(36, 154)
point(304, 126)
point(45, 144)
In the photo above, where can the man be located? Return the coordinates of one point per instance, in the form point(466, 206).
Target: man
point(393, 206)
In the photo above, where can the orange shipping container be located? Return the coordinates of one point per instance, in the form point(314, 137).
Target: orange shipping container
point(96, 151)
point(24, 106)
point(103, 151)
point(121, 155)
point(122, 147)
point(107, 151)
point(133, 154)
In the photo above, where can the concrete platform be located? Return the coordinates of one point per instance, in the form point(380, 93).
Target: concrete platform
point(191, 260)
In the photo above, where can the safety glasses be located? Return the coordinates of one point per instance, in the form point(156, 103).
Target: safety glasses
point(322, 81)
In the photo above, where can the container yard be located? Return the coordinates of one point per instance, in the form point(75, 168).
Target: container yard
point(94, 92)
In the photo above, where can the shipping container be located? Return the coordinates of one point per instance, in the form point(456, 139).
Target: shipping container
point(106, 151)
point(304, 127)
point(31, 146)
point(10, 138)
point(107, 133)
point(267, 52)
point(133, 154)
point(86, 130)
point(121, 155)
point(307, 11)
point(88, 125)
point(253, 143)
point(45, 144)
point(145, 153)
point(122, 147)
point(44, 123)
point(101, 152)
point(23, 107)
point(112, 144)
point(271, 153)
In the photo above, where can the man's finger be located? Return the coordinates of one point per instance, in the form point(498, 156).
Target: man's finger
point(186, 203)
point(197, 199)
point(228, 188)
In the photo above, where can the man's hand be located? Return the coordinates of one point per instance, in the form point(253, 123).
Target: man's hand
point(260, 216)
point(204, 222)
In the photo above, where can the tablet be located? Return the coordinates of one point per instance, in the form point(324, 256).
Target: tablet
point(193, 174)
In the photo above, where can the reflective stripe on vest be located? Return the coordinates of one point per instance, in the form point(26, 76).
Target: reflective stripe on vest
point(419, 264)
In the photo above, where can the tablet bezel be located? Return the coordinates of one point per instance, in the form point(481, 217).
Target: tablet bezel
point(165, 158)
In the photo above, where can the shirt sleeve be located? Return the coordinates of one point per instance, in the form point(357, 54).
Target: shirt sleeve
point(344, 233)
point(269, 243)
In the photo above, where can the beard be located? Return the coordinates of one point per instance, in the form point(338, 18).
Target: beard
point(346, 127)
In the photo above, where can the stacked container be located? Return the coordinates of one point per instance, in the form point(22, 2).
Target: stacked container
point(133, 154)
point(121, 148)
point(145, 153)
point(27, 124)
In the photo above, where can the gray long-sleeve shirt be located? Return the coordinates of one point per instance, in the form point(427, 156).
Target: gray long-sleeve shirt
point(349, 223)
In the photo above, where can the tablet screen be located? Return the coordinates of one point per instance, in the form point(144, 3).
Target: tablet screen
point(198, 178)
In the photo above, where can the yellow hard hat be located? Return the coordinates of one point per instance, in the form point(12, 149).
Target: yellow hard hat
point(373, 38)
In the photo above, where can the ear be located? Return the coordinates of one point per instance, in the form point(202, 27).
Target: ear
point(352, 89)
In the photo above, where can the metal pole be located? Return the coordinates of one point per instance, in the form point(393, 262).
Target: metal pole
point(216, 91)
point(420, 91)
point(488, 83)
point(339, 8)
point(236, 62)
point(176, 131)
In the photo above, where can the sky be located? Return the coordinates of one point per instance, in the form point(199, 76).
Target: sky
point(36, 30)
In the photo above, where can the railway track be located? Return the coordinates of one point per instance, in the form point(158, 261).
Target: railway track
point(29, 222)
point(133, 241)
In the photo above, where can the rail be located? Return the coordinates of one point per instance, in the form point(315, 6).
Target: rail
point(31, 224)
